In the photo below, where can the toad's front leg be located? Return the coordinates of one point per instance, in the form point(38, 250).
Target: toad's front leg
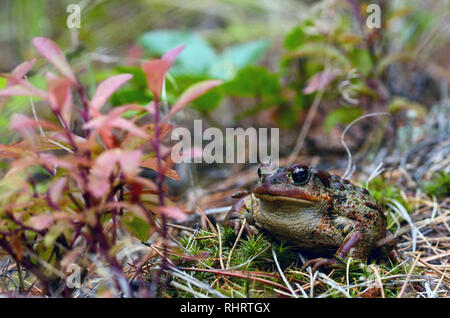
point(242, 210)
point(354, 246)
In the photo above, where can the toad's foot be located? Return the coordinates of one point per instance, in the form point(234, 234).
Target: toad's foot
point(236, 224)
point(320, 262)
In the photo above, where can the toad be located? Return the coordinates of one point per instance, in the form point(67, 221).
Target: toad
point(318, 212)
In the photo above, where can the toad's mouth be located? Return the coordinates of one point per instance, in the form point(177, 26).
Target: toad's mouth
point(274, 197)
point(273, 193)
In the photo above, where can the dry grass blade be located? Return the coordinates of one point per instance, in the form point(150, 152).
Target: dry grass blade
point(433, 257)
point(220, 248)
point(377, 275)
point(435, 269)
point(239, 274)
point(160, 254)
point(235, 242)
point(400, 294)
point(282, 274)
point(204, 217)
point(187, 289)
point(194, 281)
point(327, 280)
point(347, 173)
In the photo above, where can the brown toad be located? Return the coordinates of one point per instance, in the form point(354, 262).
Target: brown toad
point(315, 211)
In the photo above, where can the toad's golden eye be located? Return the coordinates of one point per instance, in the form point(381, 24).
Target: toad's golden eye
point(300, 175)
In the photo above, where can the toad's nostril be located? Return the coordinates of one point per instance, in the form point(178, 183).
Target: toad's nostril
point(274, 180)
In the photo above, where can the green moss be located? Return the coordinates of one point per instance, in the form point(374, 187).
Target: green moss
point(439, 185)
point(381, 190)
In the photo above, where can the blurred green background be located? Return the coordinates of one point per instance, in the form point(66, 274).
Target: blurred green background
point(272, 56)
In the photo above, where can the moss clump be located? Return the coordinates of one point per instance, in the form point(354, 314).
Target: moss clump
point(438, 186)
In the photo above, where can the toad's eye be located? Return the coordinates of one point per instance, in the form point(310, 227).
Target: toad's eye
point(259, 173)
point(300, 175)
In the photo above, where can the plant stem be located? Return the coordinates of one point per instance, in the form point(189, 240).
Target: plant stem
point(84, 101)
point(160, 181)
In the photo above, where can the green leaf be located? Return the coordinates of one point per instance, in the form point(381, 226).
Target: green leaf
point(4, 122)
point(136, 226)
point(2, 82)
point(253, 81)
point(196, 58)
point(53, 234)
point(238, 57)
point(295, 38)
point(287, 117)
point(138, 75)
point(321, 51)
point(344, 115)
point(361, 59)
point(130, 96)
point(192, 93)
point(302, 101)
point(209, 101)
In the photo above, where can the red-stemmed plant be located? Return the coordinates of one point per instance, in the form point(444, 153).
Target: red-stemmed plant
point(95, 189)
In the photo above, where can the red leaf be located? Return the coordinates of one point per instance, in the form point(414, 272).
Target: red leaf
point(106, 88)
point(104, 165)
point(104, 123)
point(131, 142)
point(108, 138)
point(155, 70)
point(18, 73)
point(16, 90)
point(51, 162)
point(51, 51)
point(321, 80)
point(71, 256)
point(171, 55)
point(42, 221)
point(16, 245)
point(8, 151)
point(56, 189)
point(130, 161)
point(25, 125)
point(192, 93)
point(133, 208)
point(134, 54)
point(22, 69)
point(143, 182)
point(152, 163)
point(129, 126)
point(173, 212)
point(100, 172)
point(60, 95)
point(22, 88)
point(48, 161)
